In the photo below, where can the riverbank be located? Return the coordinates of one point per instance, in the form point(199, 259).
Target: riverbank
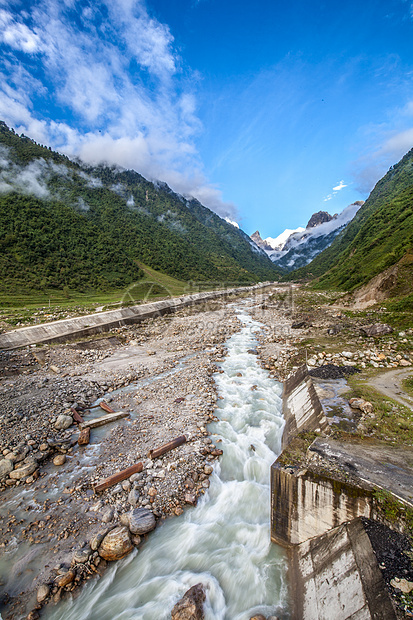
point(160, 373)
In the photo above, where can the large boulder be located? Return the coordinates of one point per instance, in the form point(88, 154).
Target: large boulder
point(116, 544)
point(141, 521)
point(377, 329)
point(191, 605)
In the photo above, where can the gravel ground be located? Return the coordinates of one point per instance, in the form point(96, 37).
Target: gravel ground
point(51, 513)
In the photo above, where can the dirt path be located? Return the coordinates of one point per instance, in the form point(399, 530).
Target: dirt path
point(390, 384)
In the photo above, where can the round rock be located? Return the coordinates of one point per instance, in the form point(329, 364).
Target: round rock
point(59, 459)
point(141, 521)
point(116, 544)
point(63, 422)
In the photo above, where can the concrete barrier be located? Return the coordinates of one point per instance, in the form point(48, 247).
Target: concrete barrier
point(302, 409)
point(78, 327)
point(336, 576)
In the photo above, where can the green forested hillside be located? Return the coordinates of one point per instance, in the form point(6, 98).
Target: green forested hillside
point(64, 224)
point(380, 234)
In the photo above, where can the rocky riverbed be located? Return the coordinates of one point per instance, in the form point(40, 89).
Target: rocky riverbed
point(53, 525)
point(55, 530)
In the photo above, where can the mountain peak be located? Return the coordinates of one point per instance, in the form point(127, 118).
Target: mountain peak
point(319, 218)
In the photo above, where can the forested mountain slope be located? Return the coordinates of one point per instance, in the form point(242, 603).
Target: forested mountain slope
point(63, 223)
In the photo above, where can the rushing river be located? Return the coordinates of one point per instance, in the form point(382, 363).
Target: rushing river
point(224, 542)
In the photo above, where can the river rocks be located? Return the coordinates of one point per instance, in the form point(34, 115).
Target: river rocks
point(116, 544)
point(141, 521)
point(84, 437)
point(108, 514)
point(82, 556)
point(375, 330)
point(42, 593)
point(23, 471)
point(59, 459)
point(97, 539)
point(6, 466)
point(258, 617)
point(191, 605)
point(363, 405)
point(133, 497)
point(63, 422)
point(63, 580)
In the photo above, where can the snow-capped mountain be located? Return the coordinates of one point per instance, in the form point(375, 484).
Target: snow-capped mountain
point(279, 242)
point(295, 248)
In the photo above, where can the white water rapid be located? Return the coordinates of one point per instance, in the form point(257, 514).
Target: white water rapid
point(224, 542)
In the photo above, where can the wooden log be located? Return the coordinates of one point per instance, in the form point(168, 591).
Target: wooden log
point(77, 418)
point(84, 437)
point(104, 419)
point(103, 405)
point(122, 475)
point(152, 454)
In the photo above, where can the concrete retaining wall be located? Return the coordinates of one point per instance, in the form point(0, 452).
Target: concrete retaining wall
point(305, 505)
point(336, 576)
point(333, 569)
point(302, 409)
point(78, 327)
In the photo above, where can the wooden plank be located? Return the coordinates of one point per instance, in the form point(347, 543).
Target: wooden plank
point(103, 405)
point(167, 447)
point(104, 419)
point(77, 418)
point(115, 478)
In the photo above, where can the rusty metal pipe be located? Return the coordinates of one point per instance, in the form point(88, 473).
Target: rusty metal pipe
point(152, 454)
point(122, 475)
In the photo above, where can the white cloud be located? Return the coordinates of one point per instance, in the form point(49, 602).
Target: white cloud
point(120, 85)
point(16, 34)
point(227, 219)
point(336, 189)
point(340, 186)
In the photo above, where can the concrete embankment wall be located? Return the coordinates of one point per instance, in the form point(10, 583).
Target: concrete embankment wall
point(336, 576)
point(305, 505)
point(302, 409)
point(333, 569)
point(78, 327)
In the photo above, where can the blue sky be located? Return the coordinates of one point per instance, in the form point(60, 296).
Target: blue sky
point(265, 111)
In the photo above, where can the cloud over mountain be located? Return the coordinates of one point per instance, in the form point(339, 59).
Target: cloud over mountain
point(109, 75)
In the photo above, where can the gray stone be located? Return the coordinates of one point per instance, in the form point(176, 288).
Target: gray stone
point(141, 521)
point(133, 497)
point(107, 514)
point(82, 555)
point(191, 605)
point(377, 329)
point(63, 422)
point(6, 466)
point(42, 593)
point(97, 539)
